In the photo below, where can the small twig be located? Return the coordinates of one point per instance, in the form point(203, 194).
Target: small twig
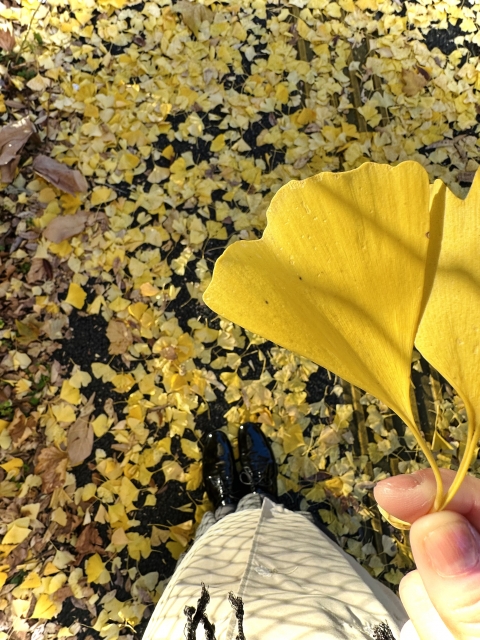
point(447, 142)
point(26, 34)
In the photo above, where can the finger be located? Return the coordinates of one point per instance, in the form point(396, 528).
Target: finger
point(446, 549)
point(426, 622)
point(411, 496)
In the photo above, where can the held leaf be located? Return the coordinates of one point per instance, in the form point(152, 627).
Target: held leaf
point(350, 267)
point(339, 275)
point(449, 332)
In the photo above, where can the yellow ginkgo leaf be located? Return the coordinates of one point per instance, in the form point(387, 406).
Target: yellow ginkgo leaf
point(80, 379)
point(173, 471)
point(190, 449)
point(69, 393)
point(128, 492)
point(128, 161)
point(175, 548)
point(293, 438)
point(94, 568)
point(101, 195)
point(64, 412)
point(146, 289)
point(100, 425)
point(12, 465)
point(16, 535)
point(341, 276)
point(218, 143)
point(449, 332)
point(32, 581)
point(46, 608)
point(123, 382)
point(76, 295)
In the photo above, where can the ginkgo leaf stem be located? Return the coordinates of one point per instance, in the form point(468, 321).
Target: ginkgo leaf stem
point(472, 440)
point(431, 460)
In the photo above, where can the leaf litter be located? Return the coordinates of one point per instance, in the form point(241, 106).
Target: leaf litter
point(144, 140)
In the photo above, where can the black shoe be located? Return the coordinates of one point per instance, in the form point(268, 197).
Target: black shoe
point(220, 476)
point(258, 462)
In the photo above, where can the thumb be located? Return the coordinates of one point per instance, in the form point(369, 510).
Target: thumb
point(446, 548)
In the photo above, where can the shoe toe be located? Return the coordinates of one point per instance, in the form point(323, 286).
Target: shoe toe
point(256, 454)
point(219, 472)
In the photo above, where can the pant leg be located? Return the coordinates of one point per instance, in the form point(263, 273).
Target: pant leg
point(250, 501)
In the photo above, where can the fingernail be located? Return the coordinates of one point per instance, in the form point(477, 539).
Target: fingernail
point(452, 549)
point(399, 483)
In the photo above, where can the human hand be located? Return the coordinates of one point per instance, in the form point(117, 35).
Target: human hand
point(442, 596)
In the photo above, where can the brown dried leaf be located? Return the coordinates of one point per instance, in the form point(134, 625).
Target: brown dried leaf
point(21, 427)
point(79, 441)
point(66, 179)
point(19, 554)
point(52, 468)
point(169, 353)
point(7, 171)
point(89, 541)
point(27, 331)
point(424, 73)
point(12, 138)
point(120, 337)
point(193, 14)
point(109, 410)
point(413, 82)
point(7, 40)
point(60, 595)
point(80, 435)
point(64, 227)
point(40, 270)
point(55, 328)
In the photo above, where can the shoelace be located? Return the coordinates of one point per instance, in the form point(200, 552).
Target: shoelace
point(247, 473)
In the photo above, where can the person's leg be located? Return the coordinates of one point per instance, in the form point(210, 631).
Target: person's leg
point(258, 477)
point(259, 469)
point(221, 482)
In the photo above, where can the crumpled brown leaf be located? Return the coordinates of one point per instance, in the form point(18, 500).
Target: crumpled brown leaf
point(120, 337)
point(21, 427)
point(66, 179)
point(193, 14)
point(27, 331)
point(80, 435)
point(12, 139)
point(7, 40)
point(413, 82)
point(40, 270)
point(89, 541)
point(60, 595)
point(52, 468)
point(64, 227)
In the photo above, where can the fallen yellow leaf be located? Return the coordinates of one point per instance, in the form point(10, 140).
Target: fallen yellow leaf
point(46, 608)
point(95, 569)
point(218, 143)
point(76, 295)
point(16, 535)
point(100, 195)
